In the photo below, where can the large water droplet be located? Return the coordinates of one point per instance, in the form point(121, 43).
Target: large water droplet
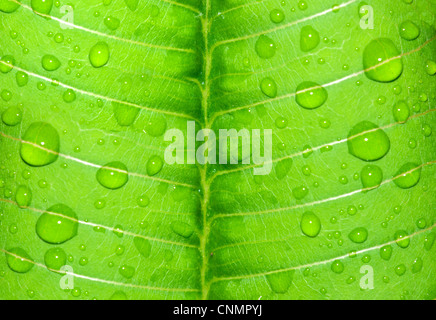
point(309, 39)
point(19, 260)
point(7, 63)
point(311, 95)
point(156, 126)
point(337, 266)
point(265, 47)
point(124, 114)
point(55, 258)
point(99, 54)
point(127, 271)
point(402, 239)
point(42, 146)
point(417, 265)
point(50, 62)
point(282, 167)
point(277, 15)
point(118, 295)
point(58, 224)
point(386, 252)
point(381, 61)
point(367, 141)
point(358, 235)
point(143, 246)
point(22, 78)
point(409, 30)
point(310, 224)
point(113, 175)
point(408, 175)
point(111, 23)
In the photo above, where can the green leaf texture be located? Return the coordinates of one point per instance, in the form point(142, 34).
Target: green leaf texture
point(88, 89)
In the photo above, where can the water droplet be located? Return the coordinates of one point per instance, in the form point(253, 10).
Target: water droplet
point(430, 67)
point(429, 241)
point(182, 229)
point(40, 135)
point(113, 175)
point(311, 95)
point(358, 235)
point(426, 130)
point(23, 196)
point(282, 168)
point(50, 62)
point(99, 54)
point(417, 265)
point(8, 6)
point(281, 123)
point(127, 271)
point(380, 62)
point(7, 63)
point(118, 295)
point(156, 126)
point(143, 201)
point(69, 96)
point(12, 116)
point(400, 269)
point(310, 224)
point(369, 146)
point(22, 78)
point(300, 192)
point(143, 246)
point(386, 252)
point(371, 176)
point(401, 112)
point(408, 175)
point(58, 224)
point(154, 165)
point(402, 239)
point(337, 266)
point(55, 258)
point(280, 281)
point(269, 87)
point(124, 114)
point(42, 6)
point(409, 30)
point(19, 260)
point(111, 23)
point(277, 16)
point(265, 47)
point(309, 39)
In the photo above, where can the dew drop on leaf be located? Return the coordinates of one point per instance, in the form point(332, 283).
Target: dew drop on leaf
point(282, 168)
point(337, 266)
point(58, 224)
point(280, 281)
point(277, 15)
point(408, 175)
point(69, 96)
point(381, 60)
point(22, 78)
point(154, 165)
point(127, 271)
point(309, 39)
point(8, 6)
point(23, 196)
point(409, 30)
point(265, 47)
point(417, 265)
point(402, 239)
point(311, 95)
point(401, 112)
point(50, 62)
point(118, 295)
point(124, 114)
point(19, 260)
point(358, 235)
point(430, 67)
point(371, 176)
point(111, 23)
point(55, 258)
point(300, 192)
point(310, 224)
point(99, 54)
point(143, 246)
point(269, 87)
point(400, 269)
point(367, 141)
point(7, 63)
point(40, 144)
point(156, 126)
point(182, 229)
point(113, 175)
point(386, 252)
point(12, 116)
point(42, 6)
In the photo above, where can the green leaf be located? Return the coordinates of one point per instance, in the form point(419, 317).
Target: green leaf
point(87, 199)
